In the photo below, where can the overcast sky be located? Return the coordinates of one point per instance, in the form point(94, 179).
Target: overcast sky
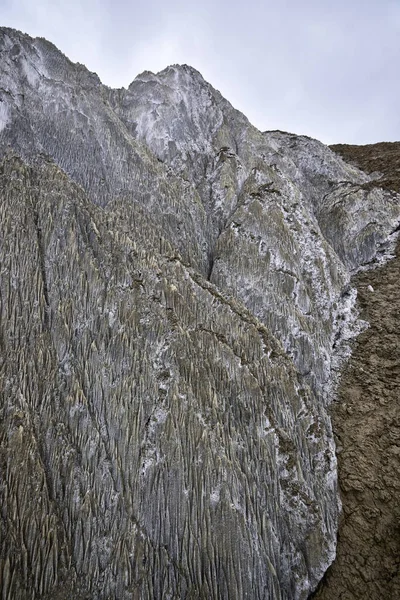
point(328, 69)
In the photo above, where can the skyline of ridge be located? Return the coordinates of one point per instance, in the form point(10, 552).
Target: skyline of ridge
point(306, 69)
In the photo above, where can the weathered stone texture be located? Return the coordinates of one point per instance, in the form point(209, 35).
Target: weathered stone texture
point(175, 302)
point(155, 439)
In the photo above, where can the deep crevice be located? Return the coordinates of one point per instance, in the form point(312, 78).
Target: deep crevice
point(42, 265)
point(210, 267)
point(42, 260)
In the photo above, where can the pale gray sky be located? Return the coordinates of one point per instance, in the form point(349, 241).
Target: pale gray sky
point(321, 68)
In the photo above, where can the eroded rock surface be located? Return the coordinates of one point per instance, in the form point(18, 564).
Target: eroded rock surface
point(156, 440)
point(175, 305)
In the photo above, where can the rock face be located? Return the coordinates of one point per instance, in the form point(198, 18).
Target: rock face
point(175, 305)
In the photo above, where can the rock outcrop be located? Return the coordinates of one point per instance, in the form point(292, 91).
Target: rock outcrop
point(175, 304)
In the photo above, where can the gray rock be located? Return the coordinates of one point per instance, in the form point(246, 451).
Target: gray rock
point(175, 304)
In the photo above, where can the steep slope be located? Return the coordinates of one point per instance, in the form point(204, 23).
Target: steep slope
point(366, 422)
point(54, 107)
point(273, 202)
point(175, 305)
point(382, 159)
point(155, 438)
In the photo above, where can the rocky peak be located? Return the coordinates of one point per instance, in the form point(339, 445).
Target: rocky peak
point(177, 304)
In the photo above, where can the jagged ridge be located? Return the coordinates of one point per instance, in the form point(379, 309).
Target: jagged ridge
point(174, 301)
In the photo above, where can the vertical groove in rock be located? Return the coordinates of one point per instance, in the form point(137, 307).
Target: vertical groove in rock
point(175, 303)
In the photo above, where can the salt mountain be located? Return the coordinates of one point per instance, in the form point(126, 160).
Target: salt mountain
point(175, 306)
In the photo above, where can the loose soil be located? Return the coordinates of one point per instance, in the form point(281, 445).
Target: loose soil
point(382, 158)
point(366, 422)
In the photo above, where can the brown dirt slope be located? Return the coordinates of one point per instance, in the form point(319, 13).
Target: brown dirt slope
point(383, 158)
point(366, 421)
